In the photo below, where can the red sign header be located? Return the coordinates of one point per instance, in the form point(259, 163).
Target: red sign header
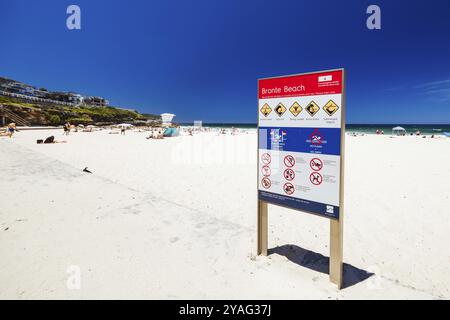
point(319, 83)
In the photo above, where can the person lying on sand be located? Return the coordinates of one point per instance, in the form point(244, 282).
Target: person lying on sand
point(50, 140)
point(4, 132)
point(159, 135)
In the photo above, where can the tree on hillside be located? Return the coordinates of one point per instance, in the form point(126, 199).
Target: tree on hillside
point(55, 120)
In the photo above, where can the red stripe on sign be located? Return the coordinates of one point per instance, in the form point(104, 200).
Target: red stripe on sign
point(319, 83)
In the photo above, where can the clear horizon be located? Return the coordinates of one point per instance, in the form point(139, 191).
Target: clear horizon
point(254, 123)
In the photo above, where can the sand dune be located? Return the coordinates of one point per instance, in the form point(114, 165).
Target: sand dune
point(176, 218)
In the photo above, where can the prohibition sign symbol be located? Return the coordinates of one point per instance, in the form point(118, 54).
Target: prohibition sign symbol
point(316, 164)
point(289, 188)
point(266, 171)
point(315, 178)
point(266, 183)
point(289, 161)
point(316, 137)
point(289, 174)
point(266, 158)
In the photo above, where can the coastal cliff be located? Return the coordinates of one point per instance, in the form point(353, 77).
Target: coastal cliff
point(37, 113)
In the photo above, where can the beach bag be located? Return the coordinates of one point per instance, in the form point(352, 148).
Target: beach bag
point(39, 141)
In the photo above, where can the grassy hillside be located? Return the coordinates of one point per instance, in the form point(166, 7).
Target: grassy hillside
point(51, 114)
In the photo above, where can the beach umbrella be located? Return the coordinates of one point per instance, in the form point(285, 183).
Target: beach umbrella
point(399, 131)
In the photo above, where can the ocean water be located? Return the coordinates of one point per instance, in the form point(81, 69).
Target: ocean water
point(426, 129)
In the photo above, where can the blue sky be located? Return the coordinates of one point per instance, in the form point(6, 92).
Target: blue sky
point(201, 59)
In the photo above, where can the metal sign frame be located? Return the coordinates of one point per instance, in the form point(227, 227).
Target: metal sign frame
point(336, 225)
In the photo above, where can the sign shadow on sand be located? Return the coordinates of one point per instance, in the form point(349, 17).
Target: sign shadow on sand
point(318, 262)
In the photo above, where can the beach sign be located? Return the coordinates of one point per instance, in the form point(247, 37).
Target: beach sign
point(306, 151)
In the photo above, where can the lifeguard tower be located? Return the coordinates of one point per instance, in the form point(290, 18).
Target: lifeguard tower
point(167, 119)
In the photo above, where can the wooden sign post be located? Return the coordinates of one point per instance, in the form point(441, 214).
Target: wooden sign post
point(263, 228)
point(301, 134)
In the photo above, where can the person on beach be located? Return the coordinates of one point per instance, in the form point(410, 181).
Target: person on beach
point(151, 135)
point(4, 133)
point(50, 140)
point(11, 129)
point(158, 135)
point(122, 131)
point(66, 128)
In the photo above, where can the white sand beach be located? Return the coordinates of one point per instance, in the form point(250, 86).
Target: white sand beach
point(176, 218)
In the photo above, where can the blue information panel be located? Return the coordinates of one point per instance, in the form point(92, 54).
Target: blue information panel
point(300, 139)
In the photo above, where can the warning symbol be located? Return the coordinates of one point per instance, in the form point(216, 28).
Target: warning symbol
point(289, 174)
point(280, 109)
point(330, 108)
point(312, 108)
point(266, 171)
point(266, 183)
point(295, 109)
point(288, 188)
point(315, 178)
point(289, 161)
point(316, 164)
point(266, 158)
point(266, 110)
